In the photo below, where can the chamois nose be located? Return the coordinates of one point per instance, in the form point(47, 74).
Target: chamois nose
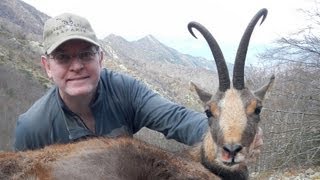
point(232, 149)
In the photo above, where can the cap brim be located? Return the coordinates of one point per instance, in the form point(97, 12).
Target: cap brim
point(61, 41)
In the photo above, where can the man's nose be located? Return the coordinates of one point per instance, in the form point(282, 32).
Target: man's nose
point(76, 62)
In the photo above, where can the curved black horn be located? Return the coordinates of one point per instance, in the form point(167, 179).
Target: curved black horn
point(224, 80)
point(238, 70)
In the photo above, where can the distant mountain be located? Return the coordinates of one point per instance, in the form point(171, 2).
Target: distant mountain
point(150, 49)
point(18, 17)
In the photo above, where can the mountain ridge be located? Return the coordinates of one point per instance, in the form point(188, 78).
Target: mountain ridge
point(149, 48)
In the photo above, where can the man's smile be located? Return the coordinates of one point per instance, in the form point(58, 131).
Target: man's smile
point(78, 78)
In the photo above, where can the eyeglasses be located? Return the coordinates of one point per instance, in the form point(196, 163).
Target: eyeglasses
point(66, 59)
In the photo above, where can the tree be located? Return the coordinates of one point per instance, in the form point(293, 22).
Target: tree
point(292, 127)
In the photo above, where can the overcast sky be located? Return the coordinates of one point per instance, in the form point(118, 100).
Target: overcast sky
point(167, 20)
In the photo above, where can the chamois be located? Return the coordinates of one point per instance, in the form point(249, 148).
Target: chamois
point(233, 116)
point(233, 112)
point(122, 158)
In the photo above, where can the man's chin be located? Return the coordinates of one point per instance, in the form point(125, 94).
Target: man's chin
point(79, 91)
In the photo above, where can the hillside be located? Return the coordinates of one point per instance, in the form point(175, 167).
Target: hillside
point(21, 78)
point(17, 17)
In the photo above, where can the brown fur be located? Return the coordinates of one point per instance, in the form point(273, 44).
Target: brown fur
point(100, 158)
point(233, 120)
point(251, 107)
point(214, 109)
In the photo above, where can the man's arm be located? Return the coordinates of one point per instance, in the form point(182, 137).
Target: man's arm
point(171, 119)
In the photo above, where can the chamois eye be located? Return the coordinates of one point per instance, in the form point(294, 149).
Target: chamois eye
point(258, 110)
point(208, 113)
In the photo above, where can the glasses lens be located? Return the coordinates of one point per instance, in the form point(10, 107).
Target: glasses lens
point(86, 56)
point(62, 58)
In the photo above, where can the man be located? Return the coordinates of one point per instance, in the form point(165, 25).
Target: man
point(88, 100)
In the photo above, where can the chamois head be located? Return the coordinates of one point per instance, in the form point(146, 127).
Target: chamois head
point(233, 112)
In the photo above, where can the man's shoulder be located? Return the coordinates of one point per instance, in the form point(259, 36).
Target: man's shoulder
point(119, 81)
point(116, 77)
point(33, 126)
point(42, 107)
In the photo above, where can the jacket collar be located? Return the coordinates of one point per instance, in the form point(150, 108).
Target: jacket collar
point(74, 124)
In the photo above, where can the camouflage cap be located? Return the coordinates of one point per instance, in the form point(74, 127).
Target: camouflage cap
point(65, 27)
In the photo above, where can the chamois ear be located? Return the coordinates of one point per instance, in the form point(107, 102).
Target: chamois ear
point(203, 95)
point(260, 93)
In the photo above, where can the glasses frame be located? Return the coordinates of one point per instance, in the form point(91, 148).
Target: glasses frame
point(84, 57)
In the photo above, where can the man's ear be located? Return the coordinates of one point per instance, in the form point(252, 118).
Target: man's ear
point(46, 65)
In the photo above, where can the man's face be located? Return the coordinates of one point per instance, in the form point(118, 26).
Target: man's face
point(74, 67)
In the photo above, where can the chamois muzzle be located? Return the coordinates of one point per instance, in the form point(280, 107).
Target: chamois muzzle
point(232, 150)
